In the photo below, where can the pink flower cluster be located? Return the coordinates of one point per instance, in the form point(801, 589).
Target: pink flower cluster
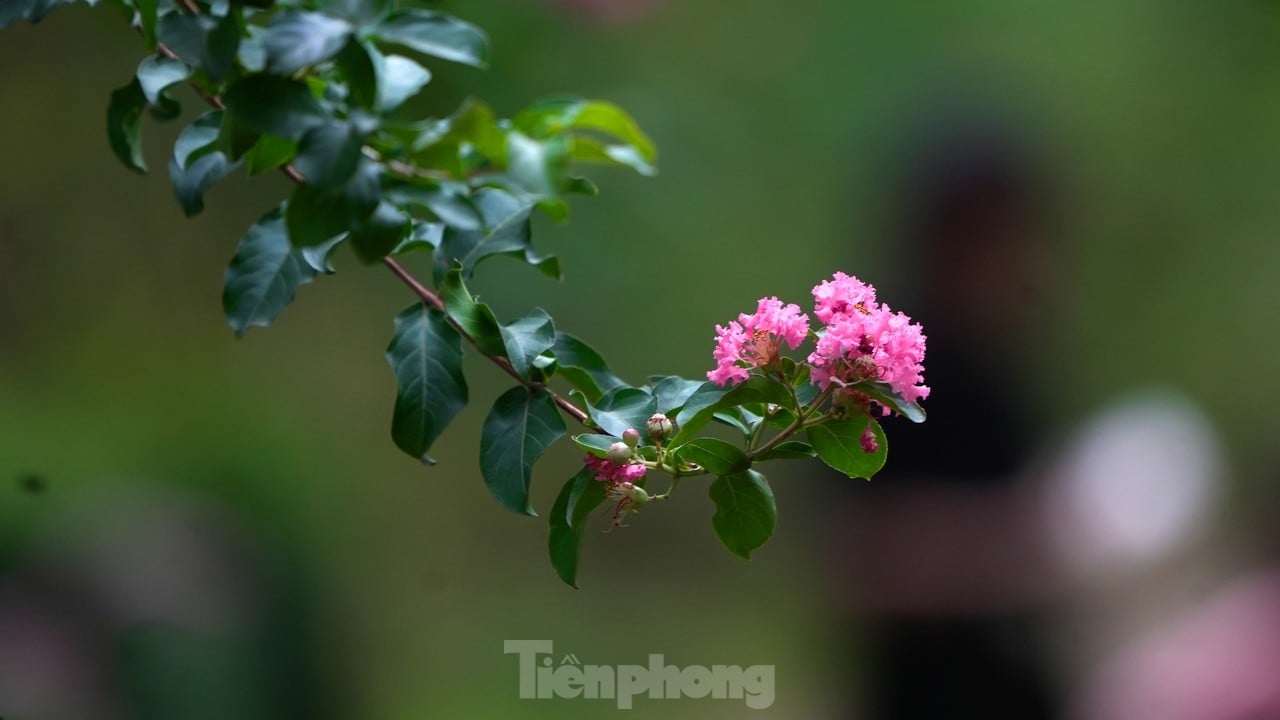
point(862, 340)
point(752, 341)
point(610, 472)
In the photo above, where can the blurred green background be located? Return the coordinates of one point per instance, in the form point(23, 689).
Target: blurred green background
point(385, 589)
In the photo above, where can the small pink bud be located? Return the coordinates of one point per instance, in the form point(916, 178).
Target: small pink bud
point(869, 443)
point(631, 437)
point(619, 453)
point(660, 427)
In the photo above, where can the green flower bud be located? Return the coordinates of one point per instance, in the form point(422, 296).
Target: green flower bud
point(660, 427)
point(631, 437)
point(619, 453)
point(637, 494)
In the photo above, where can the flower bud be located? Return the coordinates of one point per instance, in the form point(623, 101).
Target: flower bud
point(869, 442)
point(637, 494)
point(619, 453)
point(631, 437)
point(660, 427)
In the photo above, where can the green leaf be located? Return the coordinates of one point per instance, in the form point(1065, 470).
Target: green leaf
point(422, 236)
point(473, 317)
point(580, 495)
point(540, 167)
point(584, 368)
point(296, 39)
point(268, 153)
point(198, 139)
point(885, 395)
point(526, 339)
point(264, 275)
point(449, 202)
point(737, 419)
point(196, 165)
point(375, 237)
point(235, 138)
point(595, 443)
point(269, 104)
point(148, 16)
point(592, 150)
point(191, 183)
point(320, 257)
point(426, 357)
point(469, 140)
point(156, 73)
point(586, 496)
point(521, 426)
point(673, 391)
point(745, 511)
point(555, 116)
point(252, 52)
point(506, 232)
point(328, 154)
point(788, 450)
point(399, 79)
point(436, 34)
point(124, 125)
point(32, 10)
point(358, 62)
point(360, 12)
point(165, 108)
point(622, 408)
point(314, 217)
point(839, 444)
point(709, 399)
point(202, 41)
point(715, 456)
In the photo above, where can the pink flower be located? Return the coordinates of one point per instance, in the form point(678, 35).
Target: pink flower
point(613, 473)
point(842, 296)
point(865, 340)
point(621, 480)
point(754, 340)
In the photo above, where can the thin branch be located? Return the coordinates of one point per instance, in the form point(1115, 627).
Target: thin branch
point(430, 298)
point(794, 427)
point(427, 295)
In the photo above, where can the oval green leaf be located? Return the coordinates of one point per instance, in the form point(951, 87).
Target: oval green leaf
point(521, 426)
point(839, 444)
point(426, 357)
point(745, 511)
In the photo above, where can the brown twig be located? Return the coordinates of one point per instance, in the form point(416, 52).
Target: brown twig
point(431, 299)
point(424, 293)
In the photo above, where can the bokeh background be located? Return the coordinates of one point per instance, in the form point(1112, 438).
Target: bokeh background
point(197, 526)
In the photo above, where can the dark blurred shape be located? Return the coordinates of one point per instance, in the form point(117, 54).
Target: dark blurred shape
point(943, 562)
point(154, 604)
point(33, 483)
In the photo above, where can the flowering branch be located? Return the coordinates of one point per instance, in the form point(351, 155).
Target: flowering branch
point(313, 93)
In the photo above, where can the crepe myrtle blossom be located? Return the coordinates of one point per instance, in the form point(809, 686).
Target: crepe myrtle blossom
point(621, 479)
point(754, 340)
point(607, 471)
point(865, 340)
point(861, 340)
point(841, 297)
